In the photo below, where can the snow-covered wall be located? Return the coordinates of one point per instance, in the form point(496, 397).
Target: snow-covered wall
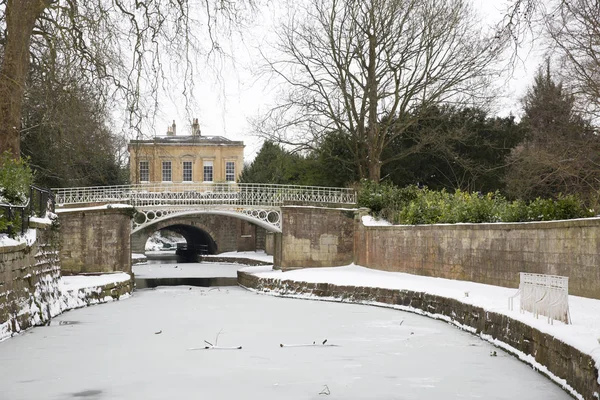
point(29, 281)
point(487, 253)
point(32, 290)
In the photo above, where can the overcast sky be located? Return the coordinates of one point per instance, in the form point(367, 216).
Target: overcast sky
point(229, 94)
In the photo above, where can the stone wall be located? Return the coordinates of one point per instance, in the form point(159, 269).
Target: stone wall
point(95, 240)
point(316, 237)
point(270, 243)
point(563, 361)
point(277, 240)
point(261, 239)
point(487, 253)
point(29, 278)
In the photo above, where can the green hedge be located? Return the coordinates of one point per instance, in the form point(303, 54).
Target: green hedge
point(412, 206)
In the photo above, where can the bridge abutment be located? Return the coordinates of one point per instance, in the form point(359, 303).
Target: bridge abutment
point(95, 239)
point(315, 237)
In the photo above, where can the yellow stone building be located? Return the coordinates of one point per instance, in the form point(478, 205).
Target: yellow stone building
point(185, 159)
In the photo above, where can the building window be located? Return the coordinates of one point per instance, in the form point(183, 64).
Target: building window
point(208, 171)
point(230, 171)
point(166, 171)
point(144, 171)
point(187, 171)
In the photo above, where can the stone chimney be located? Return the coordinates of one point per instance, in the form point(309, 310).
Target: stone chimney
point(174, 128)
point(169, 130)
point(196, 128)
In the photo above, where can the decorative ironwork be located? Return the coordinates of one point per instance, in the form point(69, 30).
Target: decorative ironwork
point(240, 194)
point(259, 203)
point(39, 203)
point(267, 218)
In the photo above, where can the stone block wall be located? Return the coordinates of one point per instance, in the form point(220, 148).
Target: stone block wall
point(261, 239)
point(29, 276)
point(277, 240)
point(270, 243)
point(487, 253)
point(316, 237)
point(95, 240)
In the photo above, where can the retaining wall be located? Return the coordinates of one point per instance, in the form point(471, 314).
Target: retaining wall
point(30, 283)
point(29, 276)
point(562, 361)
point(493, 254)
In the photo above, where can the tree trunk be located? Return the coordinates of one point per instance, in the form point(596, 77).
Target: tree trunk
point(20, 19)
point(374, 170)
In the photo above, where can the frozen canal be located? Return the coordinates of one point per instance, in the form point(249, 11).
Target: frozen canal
point(115, 351)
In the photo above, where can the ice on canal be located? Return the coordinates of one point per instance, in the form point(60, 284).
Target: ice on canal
point(139, 348)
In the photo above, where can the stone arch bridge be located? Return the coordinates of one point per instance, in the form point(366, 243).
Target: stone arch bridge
point(224, 217)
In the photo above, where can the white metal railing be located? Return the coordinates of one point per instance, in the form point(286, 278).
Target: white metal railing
point(242, 194)
point(544, 294)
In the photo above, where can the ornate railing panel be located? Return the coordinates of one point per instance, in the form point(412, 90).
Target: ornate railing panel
point(240, 194)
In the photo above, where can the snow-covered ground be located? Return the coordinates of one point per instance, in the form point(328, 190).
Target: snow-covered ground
point(140, 349)
point(87, 281)
point(165, 268)
point(28, 238)
point(185, 270)
point(583, 333)
point(368, 220)
point(160, 240)
point(252, 255)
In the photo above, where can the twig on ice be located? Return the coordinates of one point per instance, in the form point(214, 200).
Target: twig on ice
point(325, 390)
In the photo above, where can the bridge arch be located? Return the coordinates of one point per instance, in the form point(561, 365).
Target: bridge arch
point(262, 218)
point(220, 231)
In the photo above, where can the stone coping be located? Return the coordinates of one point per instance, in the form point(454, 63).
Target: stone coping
point(11, 248)
point(570, 368)
point(565, 223)
point(39, 223)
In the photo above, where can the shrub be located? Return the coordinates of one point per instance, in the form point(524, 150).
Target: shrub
point(515, 211)
point(15, 179)
point(413, 206)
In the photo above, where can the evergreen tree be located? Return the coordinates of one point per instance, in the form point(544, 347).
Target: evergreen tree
point(454, 148)
point(560, 153)
point(272, 165)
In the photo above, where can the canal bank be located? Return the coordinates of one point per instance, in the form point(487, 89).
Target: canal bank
point(567, 354)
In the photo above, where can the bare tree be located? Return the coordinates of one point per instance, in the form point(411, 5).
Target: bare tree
point(130, 46)
point(362, 68)
point(574, 28)
point(570, 31)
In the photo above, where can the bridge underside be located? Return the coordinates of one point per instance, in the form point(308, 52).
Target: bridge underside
point(220, 233)
point(195, 237)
